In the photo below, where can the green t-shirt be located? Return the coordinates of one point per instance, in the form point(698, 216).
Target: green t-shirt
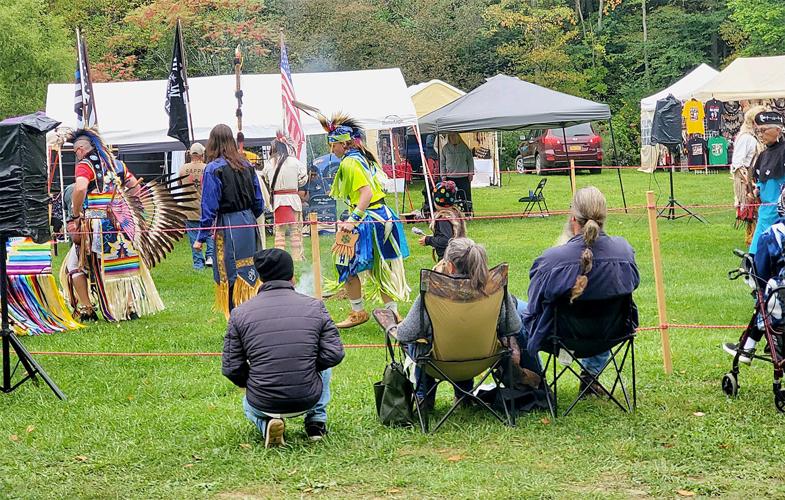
point(718, 150)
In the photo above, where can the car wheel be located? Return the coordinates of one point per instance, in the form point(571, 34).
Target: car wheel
point(538, 165)
point(597, 169)
point(519, 166)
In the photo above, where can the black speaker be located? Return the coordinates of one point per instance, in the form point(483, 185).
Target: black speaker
point(24, 201)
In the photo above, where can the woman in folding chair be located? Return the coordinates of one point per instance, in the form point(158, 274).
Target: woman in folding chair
point(462, 258)
point(590, 265)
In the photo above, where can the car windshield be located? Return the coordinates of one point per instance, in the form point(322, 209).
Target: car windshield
point(574, 131)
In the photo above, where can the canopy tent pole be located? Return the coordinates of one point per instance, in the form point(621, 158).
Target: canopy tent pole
point(395, 182)
point(426, 173)
point(498, 170)
point(616, 162)
point(567, 152)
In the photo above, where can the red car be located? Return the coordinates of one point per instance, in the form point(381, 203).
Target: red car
point(541, 149)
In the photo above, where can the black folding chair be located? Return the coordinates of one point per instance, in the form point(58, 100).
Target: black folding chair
point(587, 328)
point(537, 198)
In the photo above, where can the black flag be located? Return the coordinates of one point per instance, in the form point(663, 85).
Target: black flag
point(176, 90)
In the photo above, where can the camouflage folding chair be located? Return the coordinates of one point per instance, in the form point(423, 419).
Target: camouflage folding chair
point(465, 342)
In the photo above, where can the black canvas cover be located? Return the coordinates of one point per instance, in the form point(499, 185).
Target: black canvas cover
point(24, 201)
point(666, 125)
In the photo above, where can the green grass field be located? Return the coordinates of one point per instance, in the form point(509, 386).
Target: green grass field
point(173, 427)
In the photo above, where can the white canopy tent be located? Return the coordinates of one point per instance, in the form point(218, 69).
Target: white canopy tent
point(747, 78)
point(682, 90)
point(131, 114)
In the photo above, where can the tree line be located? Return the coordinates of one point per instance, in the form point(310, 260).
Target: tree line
point(613, 51)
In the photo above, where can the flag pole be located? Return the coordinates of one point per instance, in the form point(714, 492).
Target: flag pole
point(238, 92)
point(86, 80)
point(81, 64)
point(283, 111)
point(185, 82)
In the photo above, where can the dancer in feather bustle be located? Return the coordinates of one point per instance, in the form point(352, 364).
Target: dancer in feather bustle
point(380, 245)
point(120, 227)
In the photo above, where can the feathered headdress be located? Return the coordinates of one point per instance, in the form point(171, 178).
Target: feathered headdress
point(340, 127)
point(92, 135)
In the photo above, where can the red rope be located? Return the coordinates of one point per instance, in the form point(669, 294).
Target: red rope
point(347, 346)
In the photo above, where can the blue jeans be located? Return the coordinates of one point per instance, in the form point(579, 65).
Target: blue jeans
point(593, 364)
point(316, 414)
point(198, 258)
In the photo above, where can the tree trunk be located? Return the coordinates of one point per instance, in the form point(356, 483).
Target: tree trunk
point(599, 15)
point(645, 44)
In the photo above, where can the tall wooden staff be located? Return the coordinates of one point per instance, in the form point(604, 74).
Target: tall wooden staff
point(238, 92)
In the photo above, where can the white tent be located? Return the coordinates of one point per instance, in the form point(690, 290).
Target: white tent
point(131, 114)
point(682, 90)
point(747, 78)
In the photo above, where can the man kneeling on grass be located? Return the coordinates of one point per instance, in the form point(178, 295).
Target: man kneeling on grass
point(280, 346)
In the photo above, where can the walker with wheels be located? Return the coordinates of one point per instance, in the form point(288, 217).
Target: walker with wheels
point(767, 307)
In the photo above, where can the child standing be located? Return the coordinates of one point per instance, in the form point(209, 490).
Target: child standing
point(448, 221)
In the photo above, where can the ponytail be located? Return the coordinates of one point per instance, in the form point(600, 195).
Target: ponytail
point(589, 210)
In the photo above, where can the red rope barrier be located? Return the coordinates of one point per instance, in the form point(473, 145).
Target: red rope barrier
point(347, 346)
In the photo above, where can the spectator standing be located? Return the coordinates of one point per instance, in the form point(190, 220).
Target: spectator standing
point(768, 171)
point(285, 176)
point(231, 202)
point(192, 173)
point(280, 346)
point(457, 164)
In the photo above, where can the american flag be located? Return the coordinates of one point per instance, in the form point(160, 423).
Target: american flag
point(84, 99)
point(291, 115)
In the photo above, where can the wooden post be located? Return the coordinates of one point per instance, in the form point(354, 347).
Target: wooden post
point(659, 283)
point(316, 256)
point(572, 177)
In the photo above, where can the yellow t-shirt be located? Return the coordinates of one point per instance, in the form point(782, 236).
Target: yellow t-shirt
point(693, 116)
point(251, 157)
point(351, 176)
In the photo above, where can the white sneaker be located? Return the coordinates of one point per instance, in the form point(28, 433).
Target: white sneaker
point(208, 262)
point(745, 355)
point(273, 433)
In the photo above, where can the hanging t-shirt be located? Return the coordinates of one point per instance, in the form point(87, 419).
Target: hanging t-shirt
point(696, 151)
point(693, 115)
point(713, 115)
point(718, 150)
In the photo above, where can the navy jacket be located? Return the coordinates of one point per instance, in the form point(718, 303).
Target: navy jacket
point(225, 190)
point(553, 275)
point(275, 346)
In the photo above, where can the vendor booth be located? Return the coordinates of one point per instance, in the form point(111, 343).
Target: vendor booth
point(509, 103)
point(683, 89)
point(712, 111)
point(434, 94)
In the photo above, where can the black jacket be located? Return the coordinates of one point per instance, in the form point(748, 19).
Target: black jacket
point(275, 346)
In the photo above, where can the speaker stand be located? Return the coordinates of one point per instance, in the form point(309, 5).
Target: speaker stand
point(10, 340)
point(669, 210)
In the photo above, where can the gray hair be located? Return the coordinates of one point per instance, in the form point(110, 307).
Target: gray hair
point(470, 260)
point(590, 210)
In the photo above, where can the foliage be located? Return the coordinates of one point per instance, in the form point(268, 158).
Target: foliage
point(533, 41)
point(591, 48)
point(34, 51)
point(760, 27)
